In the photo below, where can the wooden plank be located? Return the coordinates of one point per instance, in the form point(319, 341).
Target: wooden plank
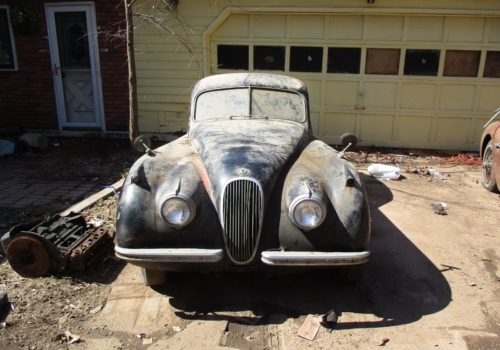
point(92, 199)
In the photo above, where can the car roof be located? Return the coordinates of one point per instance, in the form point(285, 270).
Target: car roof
point(274, 81)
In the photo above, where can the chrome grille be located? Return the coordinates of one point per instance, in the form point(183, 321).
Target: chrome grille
point(242, 213)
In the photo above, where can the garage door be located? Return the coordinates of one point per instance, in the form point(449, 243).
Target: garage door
point(393, 80)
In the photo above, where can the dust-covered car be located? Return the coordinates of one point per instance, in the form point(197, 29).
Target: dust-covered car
point(490, 154)
point(247, 188)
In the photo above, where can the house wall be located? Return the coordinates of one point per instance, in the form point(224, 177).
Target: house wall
point(27, 95)
point(396, 110)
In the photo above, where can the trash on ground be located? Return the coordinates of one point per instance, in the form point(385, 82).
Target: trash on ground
point(6, 147)
point(329, 320)
point(176, 328)
point(439, 208)
point(69, 337)
point(435, 173)
point(309, 328)
point(96, 310)
point(384, 341)
point(147, 341)
point(141, 335)
point(472, 284)
point(59, 243)
point(386, 172)
point(35, 140)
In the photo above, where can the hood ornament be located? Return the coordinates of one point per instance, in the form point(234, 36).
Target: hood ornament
point(242, 171)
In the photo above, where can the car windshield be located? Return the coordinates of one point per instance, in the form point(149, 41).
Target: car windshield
point(266, 103)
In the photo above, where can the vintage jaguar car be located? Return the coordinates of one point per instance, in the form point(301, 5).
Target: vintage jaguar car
point(248, 188)
point(490, 154)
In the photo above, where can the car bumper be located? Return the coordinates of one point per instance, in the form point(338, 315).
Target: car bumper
point(274, 258)
point(279, 258)
point(178, 255)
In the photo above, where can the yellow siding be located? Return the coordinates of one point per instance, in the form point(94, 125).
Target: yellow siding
point(404, 111)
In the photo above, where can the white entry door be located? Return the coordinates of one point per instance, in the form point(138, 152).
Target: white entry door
point(75, 65)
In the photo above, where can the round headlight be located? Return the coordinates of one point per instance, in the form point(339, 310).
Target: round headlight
point(177, 212)
point(308, 213)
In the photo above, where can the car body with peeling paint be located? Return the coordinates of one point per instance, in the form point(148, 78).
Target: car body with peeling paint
point(248, 188)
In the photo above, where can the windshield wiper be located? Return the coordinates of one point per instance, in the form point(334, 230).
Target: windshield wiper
point(249, 117)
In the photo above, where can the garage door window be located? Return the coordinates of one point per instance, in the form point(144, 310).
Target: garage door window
point(492, 65)
point(232, 57)
point(7, 50)
point(422, 62)
point(382, 61)
point(269, 57)
point(461, 63)
point(306, 59)
point(344, 60)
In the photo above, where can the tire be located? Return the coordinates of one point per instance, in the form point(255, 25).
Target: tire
point(153, 277)
point(28, 257)
point(488, 176)
point(350, 274)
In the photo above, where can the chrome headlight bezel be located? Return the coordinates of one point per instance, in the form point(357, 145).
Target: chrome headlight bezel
point(297, 201)
point(190, 203)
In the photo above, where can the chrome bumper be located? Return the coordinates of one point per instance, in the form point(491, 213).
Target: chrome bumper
point(178, 255)
point(279, 258)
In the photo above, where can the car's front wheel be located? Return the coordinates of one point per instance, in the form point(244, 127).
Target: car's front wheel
point(153, 277)
point(488, 176)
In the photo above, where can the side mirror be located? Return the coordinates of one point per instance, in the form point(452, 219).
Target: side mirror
point(142, 144)
point(347, 139)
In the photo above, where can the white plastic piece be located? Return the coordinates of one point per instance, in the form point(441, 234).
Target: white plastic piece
point(386, 172)
point(433, 172)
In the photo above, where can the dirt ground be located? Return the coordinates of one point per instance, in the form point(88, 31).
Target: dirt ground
point(433, 281)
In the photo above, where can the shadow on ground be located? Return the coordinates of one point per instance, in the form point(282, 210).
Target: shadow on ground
point(400, 285)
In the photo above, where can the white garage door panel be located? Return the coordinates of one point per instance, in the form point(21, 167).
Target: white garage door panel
point(307, 27)
point(453, 130)
point(270, 26)
point(464, 29)
point(418, 95)
point(342, 93)
point(424, 101)
point(379, 94)
point(457, 97)
point(346, 27)
point(337, 124)
point(375, 127)
point(385, 28)
point(490, 98)
point(414, 128)
point(425, 28)
point(494, 35)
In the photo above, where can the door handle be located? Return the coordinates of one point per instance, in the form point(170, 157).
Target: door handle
point(56, 68)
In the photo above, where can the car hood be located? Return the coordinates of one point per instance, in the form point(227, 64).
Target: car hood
point(256, 149)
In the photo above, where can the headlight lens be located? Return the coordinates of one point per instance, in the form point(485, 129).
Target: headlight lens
point(309, 214)
point(177, 212)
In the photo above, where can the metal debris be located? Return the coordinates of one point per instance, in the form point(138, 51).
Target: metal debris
point(439, 209)
point(329, 320)
point(384, 341)
point(42, 246)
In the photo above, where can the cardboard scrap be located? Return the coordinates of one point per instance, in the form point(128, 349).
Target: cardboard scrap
point(310, 327)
